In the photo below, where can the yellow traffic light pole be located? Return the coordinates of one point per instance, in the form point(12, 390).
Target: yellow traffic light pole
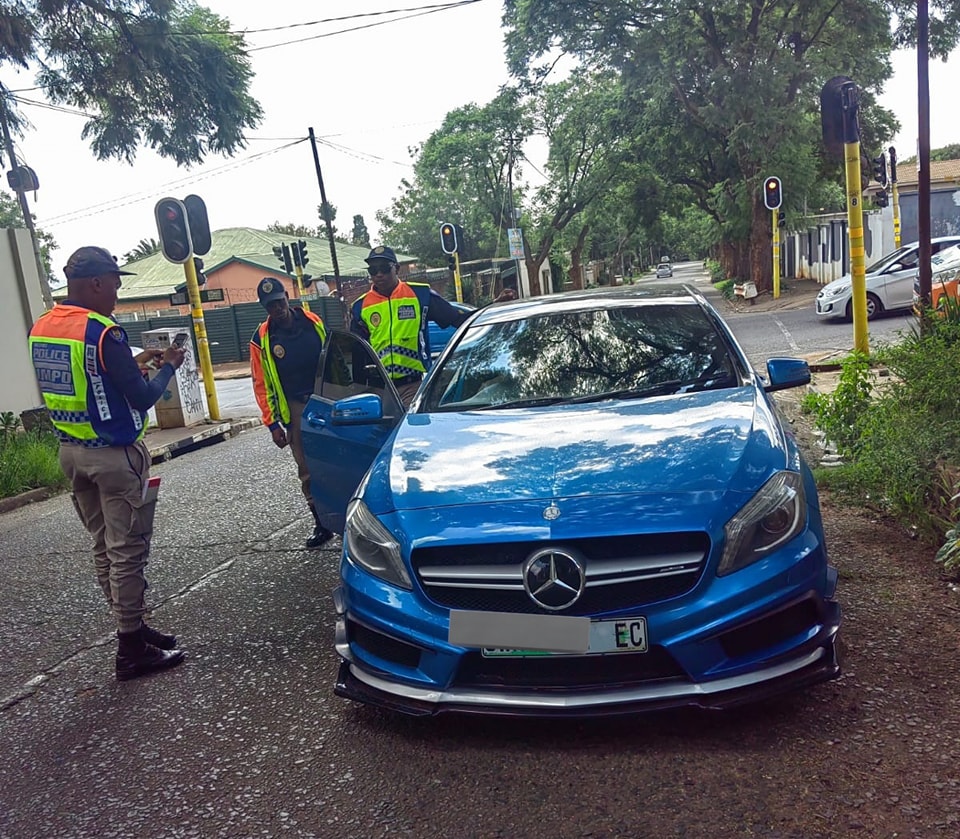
point(861, 338)
point(776, 254)
point(298, 270)
point(200, 333)
point(456, 276)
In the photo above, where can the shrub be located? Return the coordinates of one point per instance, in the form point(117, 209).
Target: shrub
point(28, 460)
point(725, 287)
point(839, 414)
point(715, 270)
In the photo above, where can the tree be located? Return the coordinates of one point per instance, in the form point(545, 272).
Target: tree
point(144, 248)
point(950, 152)
point(12, 217)
point(328, 214)
point(296, 231)
point(723, 93)
point(166, 74)
point(360, 235)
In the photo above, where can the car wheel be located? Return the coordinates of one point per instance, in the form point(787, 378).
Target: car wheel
point(874, 308)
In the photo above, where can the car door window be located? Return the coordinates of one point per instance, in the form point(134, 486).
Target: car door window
point(349, 367)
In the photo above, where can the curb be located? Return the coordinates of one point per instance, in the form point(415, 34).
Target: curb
point(14, 502)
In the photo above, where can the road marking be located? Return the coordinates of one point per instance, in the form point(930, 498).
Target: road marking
point(786, 334)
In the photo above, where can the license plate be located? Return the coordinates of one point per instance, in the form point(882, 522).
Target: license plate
point(622, 635)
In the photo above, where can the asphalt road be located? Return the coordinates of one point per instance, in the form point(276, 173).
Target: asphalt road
point(246, 738)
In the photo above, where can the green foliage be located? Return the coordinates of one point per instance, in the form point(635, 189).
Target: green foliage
point(840, 414)
point(144, 248)
point(725, 287)
point(28, 460)
point(716, 272)
point(12, 216)
point(165, 74)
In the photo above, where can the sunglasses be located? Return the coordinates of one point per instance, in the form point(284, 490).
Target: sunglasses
point(379, 268)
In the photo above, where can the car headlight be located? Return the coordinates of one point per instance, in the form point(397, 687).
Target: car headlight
point(840, 289)
point(776, 514)
point(371, 546)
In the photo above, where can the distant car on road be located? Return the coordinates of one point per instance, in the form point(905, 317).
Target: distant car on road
point(591, 507)
point(664, 270)
point(889, 283)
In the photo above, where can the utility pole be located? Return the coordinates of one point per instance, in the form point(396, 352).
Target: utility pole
point(512, 209)
point(925, 274)
point(22, 198)
point(323, 198)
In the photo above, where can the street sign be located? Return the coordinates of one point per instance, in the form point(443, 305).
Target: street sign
point(207, 295)
point(515, 239)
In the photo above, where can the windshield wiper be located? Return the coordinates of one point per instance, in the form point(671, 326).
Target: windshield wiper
point(659, 389)
point(531, 402)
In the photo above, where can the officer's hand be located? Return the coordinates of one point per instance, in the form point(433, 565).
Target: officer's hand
point(148, 360)
point(506, 294)
point(174, 356)
point(279, 436)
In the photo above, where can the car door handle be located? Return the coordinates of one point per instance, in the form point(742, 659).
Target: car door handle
point(316, 420)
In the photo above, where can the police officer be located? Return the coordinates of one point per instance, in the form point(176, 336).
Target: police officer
point(98, 399)
point(392, 317)
point(284, 353)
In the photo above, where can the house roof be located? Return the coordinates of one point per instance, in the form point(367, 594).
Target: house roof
point(155, 277)
point(941, 172)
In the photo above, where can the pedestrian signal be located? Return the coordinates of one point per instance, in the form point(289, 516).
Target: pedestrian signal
point(174, 229)
point(781, 218)
point(772, 194)
point(448, 238)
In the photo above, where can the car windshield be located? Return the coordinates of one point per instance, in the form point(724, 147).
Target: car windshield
point(590, 355)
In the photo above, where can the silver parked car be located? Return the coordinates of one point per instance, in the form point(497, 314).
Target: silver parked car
point(664, 269)
point(889, 283)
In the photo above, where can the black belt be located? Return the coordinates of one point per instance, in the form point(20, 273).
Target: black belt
point(406, 380)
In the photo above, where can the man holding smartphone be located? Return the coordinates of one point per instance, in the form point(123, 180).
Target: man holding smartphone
point(98, 399)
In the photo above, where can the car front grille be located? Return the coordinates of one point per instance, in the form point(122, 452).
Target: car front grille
point(620, 572)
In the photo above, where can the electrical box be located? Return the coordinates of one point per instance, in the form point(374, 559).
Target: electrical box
point(182, 403)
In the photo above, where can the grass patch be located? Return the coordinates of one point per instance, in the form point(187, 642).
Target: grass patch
point(28, 460)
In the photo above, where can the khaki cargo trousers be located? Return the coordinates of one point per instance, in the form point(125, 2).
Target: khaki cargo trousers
point(108, 488)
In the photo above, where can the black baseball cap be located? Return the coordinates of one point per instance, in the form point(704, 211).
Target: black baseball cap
point(382, 252)
point(269, 289)
point(91, 261)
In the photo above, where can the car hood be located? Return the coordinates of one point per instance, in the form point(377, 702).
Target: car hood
point(708, 442)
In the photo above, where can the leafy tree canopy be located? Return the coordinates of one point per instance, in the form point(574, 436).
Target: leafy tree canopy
point(144, 248)
point(166, 74)
point(950, 152)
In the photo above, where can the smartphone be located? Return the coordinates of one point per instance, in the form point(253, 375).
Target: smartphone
point(180, 339)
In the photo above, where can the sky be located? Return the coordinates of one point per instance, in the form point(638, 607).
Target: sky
point(371, 86)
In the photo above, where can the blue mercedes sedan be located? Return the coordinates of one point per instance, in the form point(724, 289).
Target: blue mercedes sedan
point(591, 507)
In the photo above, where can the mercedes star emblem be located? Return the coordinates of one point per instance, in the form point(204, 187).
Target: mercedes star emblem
point(553, 578)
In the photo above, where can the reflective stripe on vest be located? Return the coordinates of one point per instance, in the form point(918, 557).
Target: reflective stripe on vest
point(394, 324)
point(68, 369)
point(271, 378)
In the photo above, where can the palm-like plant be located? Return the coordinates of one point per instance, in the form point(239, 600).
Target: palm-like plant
point(145, 247)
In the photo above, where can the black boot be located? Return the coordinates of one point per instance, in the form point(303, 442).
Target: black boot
point(320, 534)
point(135, 657)
point(160, 640)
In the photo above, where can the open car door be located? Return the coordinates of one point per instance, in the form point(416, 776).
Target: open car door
point(352, 411)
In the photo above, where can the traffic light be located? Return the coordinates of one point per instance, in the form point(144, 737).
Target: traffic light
point(448, 238)
point(199, 225)
point(452, 262)
point(282, 253)
point(772, 193)
point(198, 265)
point(881, 199)
point(174, 229)
point(299, 249)
point(880, 170)
point(307, 280)
point(893, 164)
point(781, 218)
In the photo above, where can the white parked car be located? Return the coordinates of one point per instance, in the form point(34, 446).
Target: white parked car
point(664, 269)
point(889, 283)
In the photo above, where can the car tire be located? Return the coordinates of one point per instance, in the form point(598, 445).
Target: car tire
point(874, 308)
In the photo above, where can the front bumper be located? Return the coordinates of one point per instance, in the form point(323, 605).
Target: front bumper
point(815, 665)
point(807, 664)
point(832, 307)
